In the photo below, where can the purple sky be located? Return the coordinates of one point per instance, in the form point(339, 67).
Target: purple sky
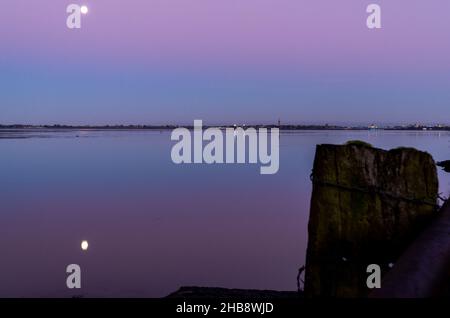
point(173, 61)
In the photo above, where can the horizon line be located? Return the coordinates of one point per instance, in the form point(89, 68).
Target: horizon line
point(341, 125)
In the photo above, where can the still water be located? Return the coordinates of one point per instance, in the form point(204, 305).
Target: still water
point(153, 226)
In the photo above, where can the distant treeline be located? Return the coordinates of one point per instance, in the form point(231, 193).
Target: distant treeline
point(170, 127)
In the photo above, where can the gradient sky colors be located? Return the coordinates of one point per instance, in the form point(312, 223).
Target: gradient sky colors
point(173, 61)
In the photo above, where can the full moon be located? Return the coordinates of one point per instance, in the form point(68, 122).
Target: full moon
point(84, 9)
point(84, 245)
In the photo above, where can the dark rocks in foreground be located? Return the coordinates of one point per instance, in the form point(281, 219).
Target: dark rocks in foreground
point(217, 293)
point(445, 165)
point(423, 269)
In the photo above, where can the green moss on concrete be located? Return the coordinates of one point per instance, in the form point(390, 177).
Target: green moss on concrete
point(358, 143)
point(362, 212)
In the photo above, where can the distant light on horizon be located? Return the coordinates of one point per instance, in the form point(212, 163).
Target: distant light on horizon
point(84, 245)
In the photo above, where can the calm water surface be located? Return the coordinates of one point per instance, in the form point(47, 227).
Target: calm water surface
point(154, 226)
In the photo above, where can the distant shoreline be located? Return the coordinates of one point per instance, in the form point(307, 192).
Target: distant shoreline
point(171, 127)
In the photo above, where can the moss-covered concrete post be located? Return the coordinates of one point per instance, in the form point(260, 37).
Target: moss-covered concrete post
point(367, 205)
